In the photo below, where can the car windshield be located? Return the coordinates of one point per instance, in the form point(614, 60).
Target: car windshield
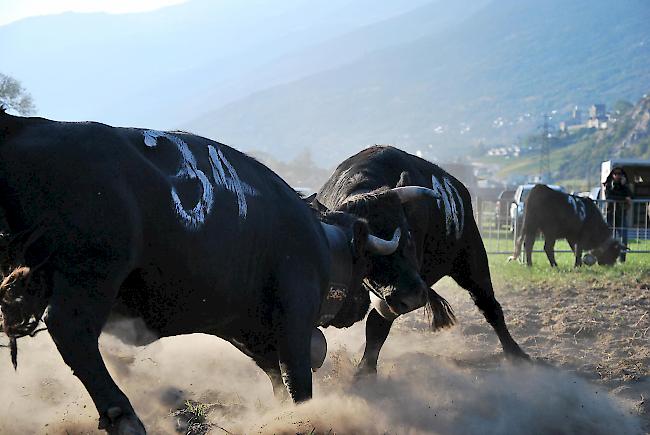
point(524, 194)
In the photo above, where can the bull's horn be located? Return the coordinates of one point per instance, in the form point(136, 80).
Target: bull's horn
point(380, 246)
point(410, 193)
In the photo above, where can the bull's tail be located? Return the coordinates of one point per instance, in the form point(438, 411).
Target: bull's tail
point(22, 304)
point(525, 227)
point(441, 313)
point(518, 243)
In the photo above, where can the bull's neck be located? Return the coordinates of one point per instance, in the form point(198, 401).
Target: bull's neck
point(340, 276)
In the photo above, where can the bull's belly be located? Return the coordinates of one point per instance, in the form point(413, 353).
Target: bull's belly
point(150, 307)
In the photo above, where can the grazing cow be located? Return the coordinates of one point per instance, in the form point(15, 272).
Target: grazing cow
point(390, 187)
point(184, 233)
point(558, 215)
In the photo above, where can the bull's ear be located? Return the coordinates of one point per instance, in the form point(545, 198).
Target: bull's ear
point(319, 206)
point(315, 204)
point(404, 180)
point(360, 233)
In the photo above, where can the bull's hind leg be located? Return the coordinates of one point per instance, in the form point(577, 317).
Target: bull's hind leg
point(75, 316)
point(471, 271)
point(271, 366)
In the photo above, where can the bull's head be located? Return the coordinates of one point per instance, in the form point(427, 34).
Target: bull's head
point(609, 251)
point(392, 274)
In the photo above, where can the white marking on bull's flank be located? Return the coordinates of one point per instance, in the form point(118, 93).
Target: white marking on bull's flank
point(578, 207)
point(443, 201)
point(583, 211)
point(195, 217)
point(151, 138)
point(451, 204)
point(458, 208)
point(232, 181)
point(437, 187)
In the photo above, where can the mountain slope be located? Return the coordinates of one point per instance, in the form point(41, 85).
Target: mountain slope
point(510, 59)
point(141, 68)
point(576, 159)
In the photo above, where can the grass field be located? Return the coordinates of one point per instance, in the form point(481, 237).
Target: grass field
point(636, 269)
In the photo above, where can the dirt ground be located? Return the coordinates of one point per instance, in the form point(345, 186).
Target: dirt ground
point(590, 347)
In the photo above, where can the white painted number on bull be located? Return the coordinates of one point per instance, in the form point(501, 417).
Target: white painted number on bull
point(451, 204)
point(578, 207)
point(194, 218)
point(231, 182)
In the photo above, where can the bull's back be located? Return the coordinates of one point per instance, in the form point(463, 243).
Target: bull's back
point(550, 212)
point(193, 218)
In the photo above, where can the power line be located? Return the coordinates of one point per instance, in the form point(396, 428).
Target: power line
point(545, 152)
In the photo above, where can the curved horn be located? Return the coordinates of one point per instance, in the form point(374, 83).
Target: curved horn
point(380, 246)
point(410, 193)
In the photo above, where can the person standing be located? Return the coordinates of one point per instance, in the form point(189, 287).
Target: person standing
point(616, 189)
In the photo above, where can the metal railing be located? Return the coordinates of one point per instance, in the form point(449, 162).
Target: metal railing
point(628, 222)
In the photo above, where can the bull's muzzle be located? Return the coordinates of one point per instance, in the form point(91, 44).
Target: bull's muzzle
point(394, 304)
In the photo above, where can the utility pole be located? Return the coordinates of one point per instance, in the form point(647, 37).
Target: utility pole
point(545, 153)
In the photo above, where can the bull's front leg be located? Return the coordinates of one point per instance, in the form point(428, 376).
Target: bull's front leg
point(377, 330)
point(549, 248)
point(74, 318)
point(294, 322)
point(578, 253)
point(529, 242)
point(295, 360)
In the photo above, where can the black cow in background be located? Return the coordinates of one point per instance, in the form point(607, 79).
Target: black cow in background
point(185, 233)
point(390, 187)
point(558, 215)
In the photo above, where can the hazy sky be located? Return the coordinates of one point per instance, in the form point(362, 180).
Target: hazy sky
point(13, 10)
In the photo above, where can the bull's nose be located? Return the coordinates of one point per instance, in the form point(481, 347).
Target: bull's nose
point(397, 304)
point(403, 303)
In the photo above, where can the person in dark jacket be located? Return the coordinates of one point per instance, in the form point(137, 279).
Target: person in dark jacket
point(616, 189)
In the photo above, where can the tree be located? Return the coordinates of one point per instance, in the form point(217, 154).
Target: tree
point(14, 96)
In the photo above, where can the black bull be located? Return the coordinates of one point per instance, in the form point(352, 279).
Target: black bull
point(185, 233)
point(440, 237)
point(558, 215)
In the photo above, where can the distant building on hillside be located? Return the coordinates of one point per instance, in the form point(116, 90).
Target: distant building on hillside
point(576, 116)
point(574, 122)
point(597, 117)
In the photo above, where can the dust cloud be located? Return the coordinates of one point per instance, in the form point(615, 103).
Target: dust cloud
point(428, 383)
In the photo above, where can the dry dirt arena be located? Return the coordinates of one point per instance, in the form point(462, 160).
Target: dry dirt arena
point(591, 376)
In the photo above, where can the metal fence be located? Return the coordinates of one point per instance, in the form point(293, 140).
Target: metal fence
point(628, 222)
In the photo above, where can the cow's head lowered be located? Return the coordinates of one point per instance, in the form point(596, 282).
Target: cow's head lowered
point(608, 251)
point(392, 274)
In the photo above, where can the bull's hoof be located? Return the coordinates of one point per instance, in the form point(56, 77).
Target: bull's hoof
point(365, 373)
point(517, 355)
point(123, 424)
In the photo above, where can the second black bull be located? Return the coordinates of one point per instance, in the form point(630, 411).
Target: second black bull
point(391, 188)
point(558, 215)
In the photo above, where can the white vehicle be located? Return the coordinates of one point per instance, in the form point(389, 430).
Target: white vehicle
point(638, 175)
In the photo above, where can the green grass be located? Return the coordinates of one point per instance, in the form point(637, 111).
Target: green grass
point(635, 271)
